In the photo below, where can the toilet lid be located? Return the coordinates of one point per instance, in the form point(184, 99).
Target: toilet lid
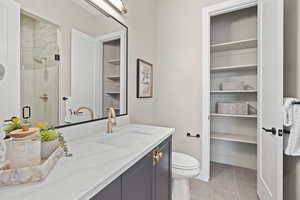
point(183, 161)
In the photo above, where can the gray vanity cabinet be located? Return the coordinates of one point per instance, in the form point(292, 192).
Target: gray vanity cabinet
point(148, 179)
point(138, 181)
point(163, 174)
point(111, 192)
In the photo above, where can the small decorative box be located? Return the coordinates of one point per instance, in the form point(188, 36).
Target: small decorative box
point(233, 108)
point(24, 148)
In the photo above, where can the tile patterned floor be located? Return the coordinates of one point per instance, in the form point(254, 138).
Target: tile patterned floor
point(227, 183)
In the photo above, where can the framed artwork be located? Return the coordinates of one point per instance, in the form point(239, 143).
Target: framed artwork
point(144, 79)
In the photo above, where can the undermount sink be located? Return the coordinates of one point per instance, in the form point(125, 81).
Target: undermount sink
point(137, 132)
point(125, 139)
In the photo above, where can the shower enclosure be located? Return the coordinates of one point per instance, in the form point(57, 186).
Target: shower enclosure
point(40, 69)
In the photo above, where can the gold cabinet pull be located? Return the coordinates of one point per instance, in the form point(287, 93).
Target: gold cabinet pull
point(157, 156)
point(160, 155)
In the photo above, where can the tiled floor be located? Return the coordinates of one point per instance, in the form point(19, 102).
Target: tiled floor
point(227, 183)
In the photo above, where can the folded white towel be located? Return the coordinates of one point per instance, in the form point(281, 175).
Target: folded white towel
point(292, 140)
point(288, 112)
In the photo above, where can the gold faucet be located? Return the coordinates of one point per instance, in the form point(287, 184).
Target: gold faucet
point(76, 112)
point(111, 120)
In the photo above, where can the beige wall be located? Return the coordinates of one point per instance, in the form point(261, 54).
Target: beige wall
point(292, 88)
point(179, 49)
point(141, 21)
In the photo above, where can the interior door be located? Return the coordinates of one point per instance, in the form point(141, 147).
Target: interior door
point(84, 58)
point(9, 59)
point(270, 140)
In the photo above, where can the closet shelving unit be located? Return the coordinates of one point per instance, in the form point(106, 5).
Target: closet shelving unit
point(231, 115)
point(114, 61)
point(234, 58)
point(235, 45)
point(234, 138)
point(233, 91)
point(234, 68)
point(111, 75)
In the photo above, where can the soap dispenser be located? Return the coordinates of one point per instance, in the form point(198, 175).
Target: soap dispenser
point(26, 112)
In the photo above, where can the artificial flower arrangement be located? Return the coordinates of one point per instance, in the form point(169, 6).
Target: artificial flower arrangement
point(47, 134)
point(14, 125)
point(49, 138)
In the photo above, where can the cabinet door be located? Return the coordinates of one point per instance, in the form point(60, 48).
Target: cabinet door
point(270, 146)
point(163, 174)
point(111, 192)
point(137, 182)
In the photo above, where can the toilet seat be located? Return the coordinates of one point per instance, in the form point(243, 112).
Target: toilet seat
point(184, 162)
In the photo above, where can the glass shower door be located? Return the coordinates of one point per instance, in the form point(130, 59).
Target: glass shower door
point(40, 69)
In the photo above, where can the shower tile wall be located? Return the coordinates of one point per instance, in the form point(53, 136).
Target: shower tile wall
point(40, 74)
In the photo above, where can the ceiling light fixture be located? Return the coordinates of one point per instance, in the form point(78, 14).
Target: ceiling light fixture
point(119, 5)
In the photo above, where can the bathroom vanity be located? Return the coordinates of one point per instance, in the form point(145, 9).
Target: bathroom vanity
point(148, 179)
point(133, 163)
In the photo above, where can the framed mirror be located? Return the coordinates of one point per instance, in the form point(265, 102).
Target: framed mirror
point(73, 62)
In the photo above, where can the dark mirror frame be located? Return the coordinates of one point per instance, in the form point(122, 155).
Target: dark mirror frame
point(94, 120)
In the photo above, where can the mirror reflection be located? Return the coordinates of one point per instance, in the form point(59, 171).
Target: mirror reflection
point(73, 64)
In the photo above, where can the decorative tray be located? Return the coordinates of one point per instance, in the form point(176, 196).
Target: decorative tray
point(31, 174)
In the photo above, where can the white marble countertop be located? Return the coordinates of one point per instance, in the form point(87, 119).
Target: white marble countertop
point(98, 159)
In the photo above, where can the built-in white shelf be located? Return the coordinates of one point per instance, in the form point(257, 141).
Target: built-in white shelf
point(113, 61)
point(234, 68)
point(230, 115)
point(113, 77)
point(112, 93)
point(113, 108)
point(234, 137)
point(233, 91)
point(235, 45)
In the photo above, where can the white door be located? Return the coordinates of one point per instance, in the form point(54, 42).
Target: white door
point(9, 59)
point(270, 145)
point(84, 49)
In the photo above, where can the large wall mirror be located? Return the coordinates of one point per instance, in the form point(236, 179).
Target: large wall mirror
point(73, 62)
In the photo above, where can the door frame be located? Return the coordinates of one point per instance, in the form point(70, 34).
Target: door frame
point(207, 13)
point(123, 84)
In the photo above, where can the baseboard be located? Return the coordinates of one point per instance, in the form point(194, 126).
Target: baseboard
point(202, 177)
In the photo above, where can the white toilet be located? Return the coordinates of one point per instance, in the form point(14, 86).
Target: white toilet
point(184, 167)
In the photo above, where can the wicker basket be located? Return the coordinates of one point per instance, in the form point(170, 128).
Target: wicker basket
point(232, 108)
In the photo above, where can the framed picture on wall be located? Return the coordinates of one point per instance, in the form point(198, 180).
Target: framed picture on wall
point(144, 79)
